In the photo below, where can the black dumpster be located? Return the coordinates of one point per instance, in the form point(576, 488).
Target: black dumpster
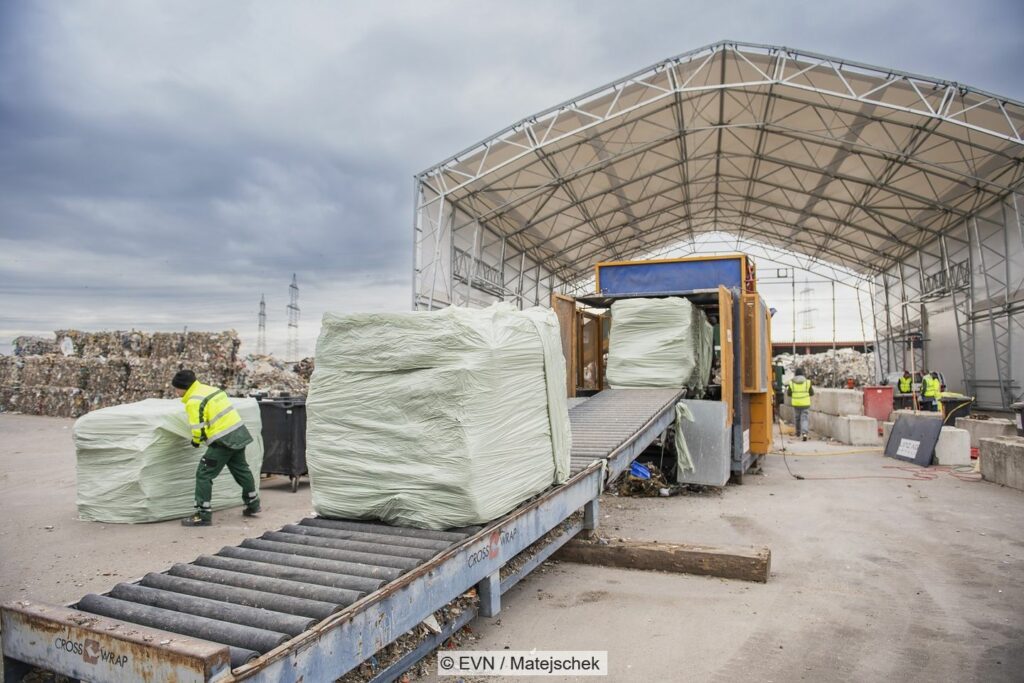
point(284, 437)
point(954, 407)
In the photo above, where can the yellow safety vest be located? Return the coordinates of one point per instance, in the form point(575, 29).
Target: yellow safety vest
point(800, 393)
point(932, 387)
point(210, 413)
point(906, 384)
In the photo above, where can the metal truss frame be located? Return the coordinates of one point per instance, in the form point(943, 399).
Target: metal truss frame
point(981, 275)
point(847, 169)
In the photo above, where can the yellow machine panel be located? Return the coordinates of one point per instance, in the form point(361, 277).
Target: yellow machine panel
point(756, 345)
point(726, 334)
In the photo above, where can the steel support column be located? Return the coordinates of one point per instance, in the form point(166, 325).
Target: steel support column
point(963, 320)
point(992, 259)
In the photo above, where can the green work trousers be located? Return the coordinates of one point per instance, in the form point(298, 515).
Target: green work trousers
point(216, 458)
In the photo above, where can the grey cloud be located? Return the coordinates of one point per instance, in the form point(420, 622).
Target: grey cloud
point(143, 143)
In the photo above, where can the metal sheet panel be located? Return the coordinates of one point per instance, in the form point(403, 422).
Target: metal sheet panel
point(94, 648)
point(913, 439)
point(708, 440)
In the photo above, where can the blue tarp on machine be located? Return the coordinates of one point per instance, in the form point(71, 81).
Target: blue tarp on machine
point(669, 277)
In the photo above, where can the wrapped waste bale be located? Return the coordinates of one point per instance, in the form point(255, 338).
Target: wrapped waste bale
point(659, 343)
point(436, 419)
point(135, 463)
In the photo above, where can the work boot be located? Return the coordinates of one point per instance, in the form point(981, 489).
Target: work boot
point(196, 520)
point(803, 437)
point(251, 511)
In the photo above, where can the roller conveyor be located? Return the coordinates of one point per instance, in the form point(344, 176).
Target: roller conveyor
point(313, 600)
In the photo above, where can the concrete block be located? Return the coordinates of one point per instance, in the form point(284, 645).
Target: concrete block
point(986, 429)
point(924, 413)
point(886, 431)
point(824, 401)
point(953, 448)
point(821, 423)
point(1002, 461)
point(838, 401)
point(852, 429)
point(862, 430)
point(840, 428)
point(849, 402)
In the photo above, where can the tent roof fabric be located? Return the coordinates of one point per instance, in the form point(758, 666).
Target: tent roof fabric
point(837, 162)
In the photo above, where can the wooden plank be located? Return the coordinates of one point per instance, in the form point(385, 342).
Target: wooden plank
point(746, 564)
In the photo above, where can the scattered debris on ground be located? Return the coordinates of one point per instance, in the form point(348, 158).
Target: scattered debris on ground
point(656, 485)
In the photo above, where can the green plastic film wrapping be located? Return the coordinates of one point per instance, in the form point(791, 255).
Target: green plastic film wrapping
point(436, 419)
point(136, 462)
point(659, 343)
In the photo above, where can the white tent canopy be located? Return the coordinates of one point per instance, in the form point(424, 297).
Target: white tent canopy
point(886, 175)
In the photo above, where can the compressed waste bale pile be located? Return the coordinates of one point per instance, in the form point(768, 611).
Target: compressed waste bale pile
point(659, 343)
point(34, 346)
point(148, 377)
point(53, 401)
point(79, 371)
point(436, 419)
point(832, 370)
point(10, 370)
point(135, 462)
point(220, 348)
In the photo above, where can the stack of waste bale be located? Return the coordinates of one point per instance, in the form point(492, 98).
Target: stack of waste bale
point(77, 371)
point(34, 346)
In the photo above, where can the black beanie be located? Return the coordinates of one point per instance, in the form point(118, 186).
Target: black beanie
point(183, 379)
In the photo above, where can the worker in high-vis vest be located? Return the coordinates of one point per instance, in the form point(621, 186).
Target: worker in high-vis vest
point(215, 422)
point(905, 387)
point(800, 392)
point(931, 388)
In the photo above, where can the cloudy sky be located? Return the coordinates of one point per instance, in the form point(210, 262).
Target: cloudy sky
point(162, 164)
